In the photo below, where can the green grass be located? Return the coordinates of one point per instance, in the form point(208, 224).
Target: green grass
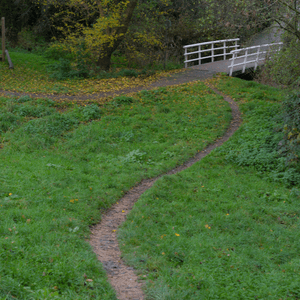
point(62, 166)
point(31, 73)
point(226, 228)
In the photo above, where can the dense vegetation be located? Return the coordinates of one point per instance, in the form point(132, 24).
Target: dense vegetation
point(155, 27)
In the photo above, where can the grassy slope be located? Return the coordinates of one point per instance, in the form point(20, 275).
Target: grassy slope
point(59, 171)
point(218, 230)
point(30, 75)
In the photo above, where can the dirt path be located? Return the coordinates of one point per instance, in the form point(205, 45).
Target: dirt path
point(184, 76)
point(104, 235)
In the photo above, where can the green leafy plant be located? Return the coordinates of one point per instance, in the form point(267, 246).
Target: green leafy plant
point(290, 145)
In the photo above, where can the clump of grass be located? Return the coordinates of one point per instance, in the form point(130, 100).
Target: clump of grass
point(221, 229)
point(59, 171)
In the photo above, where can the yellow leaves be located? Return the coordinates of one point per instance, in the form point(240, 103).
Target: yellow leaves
point(177, 234)
point(207, 226)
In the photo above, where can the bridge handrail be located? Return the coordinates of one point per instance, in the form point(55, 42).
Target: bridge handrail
point(212, 50)
point(258, 53)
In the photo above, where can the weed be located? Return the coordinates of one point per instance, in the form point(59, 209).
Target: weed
point(23, 99)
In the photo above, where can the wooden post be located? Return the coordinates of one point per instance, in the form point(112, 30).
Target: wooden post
point(236, 45)
point(3, 38)
point(232, 63)
point(245, 61)
point(199, 55)
point(257, 58)
point(186, 57)
point(11, 66)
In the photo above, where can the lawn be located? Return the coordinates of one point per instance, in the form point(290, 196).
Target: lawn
point(227, 227)
point(62, 165)
point(31, 74)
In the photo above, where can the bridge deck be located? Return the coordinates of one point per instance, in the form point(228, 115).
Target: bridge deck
point(222, 66)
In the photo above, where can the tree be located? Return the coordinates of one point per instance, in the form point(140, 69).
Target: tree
point(287, 15)
point(109, 30)
point(100, 25)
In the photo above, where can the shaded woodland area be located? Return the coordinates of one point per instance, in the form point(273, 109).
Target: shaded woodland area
point(154, 26)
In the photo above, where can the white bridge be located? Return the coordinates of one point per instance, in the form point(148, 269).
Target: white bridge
point(227, 56)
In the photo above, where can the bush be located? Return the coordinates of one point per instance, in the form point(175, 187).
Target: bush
point(290, 145)
point(8, 121)
point(86, 113)
point(284, 68)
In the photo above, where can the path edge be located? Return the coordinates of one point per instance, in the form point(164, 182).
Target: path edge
point(104, 236)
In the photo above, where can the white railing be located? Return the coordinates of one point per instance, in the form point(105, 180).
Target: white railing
point(201, 48)
point(255, 53)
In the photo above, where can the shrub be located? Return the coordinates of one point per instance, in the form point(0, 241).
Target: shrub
point(122, 100)
point(284, 68)
point(7, 121)
point(23, 99)
point(290, 145)
point(86, 113)
point(34, 111)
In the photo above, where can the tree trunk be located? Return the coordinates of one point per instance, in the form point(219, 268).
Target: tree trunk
point(104, 60)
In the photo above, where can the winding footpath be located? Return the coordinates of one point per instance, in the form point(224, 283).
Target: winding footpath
point(104, 235)
point(184, 76)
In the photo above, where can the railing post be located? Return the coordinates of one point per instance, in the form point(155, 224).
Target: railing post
point(232, 63)
point(3, 38)
point(245, 61)
point(185, 57)
point(257, 58)
point(199, 49)
point(236, 45)
point(212, 52)
point(224, 50)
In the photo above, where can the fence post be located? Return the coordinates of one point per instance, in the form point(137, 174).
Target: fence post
point(232, 63)
point(245, 61)
point(185, 57)
point(212, 52)
point(3, 38)
point(257, 58)
point(199, 49)
point(236, 45)
point(224, 50)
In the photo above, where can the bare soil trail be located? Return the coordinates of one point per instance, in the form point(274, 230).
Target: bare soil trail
point(184, 76)
point(104, 235)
